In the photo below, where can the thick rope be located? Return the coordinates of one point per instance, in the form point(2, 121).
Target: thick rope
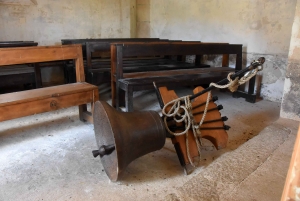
point(187, 116)
point(234, 84)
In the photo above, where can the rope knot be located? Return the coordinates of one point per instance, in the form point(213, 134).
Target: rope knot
point(234, 84)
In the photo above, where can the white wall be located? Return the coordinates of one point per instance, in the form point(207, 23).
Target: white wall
point(47, 22)
point(263, 27)
point(50, 21)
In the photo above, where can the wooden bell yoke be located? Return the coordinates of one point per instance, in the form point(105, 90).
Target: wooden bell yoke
point(217, 136)
point(24, 103)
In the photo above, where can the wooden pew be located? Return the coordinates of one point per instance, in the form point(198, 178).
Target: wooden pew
point(101, 66)
point(141, 80)
point(19, 104)
point(98, 70)
point(100, 46)
point(84, 41)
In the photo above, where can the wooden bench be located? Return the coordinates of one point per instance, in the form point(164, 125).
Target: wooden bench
point(141, 80)
point(83, 42)
point(19, 104)
point(97, 72)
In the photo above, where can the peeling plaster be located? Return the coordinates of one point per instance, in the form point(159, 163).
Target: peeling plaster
point(290, 106)
point(273, 74)
point(293, 69)
point(273, 91)
point(291, 103)
point(287, 85)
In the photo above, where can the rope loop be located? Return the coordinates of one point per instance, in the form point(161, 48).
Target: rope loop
point(174, 113)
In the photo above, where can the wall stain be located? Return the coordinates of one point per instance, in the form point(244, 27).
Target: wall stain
point(291, 102)
point(256, 25)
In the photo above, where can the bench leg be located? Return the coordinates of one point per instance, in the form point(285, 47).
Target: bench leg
point(82, 112)
point(85, 115)
point(119, 98)
point(249, 96)
point(129, 99)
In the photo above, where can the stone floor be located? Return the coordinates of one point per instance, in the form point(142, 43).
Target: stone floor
point(48, 157)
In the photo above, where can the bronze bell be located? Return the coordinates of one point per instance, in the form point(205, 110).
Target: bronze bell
point(122, 137)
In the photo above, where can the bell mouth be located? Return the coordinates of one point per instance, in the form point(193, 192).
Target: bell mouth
point(105, 136)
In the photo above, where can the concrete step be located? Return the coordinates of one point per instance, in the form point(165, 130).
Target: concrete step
point(256, 170)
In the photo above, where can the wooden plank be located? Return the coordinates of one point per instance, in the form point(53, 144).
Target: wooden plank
point(146, 49)
point(11, 56)
point(16, 70)
point(7, 44)
point(16, 79)
point(177, 72)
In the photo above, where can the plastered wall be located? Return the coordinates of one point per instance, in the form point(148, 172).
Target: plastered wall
point(263, 27)
point(290, 107)
point(47, 22)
